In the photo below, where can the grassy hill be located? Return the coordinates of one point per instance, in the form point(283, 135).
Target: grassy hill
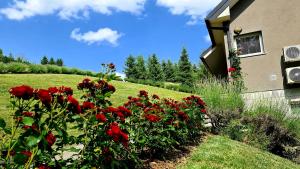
point(124, 89)
point(219, 152)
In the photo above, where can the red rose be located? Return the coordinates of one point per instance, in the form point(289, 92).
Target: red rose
point(203, 110)
point(152, 118)
point(115, 129)
point(101, 117)
point(28, 114)
point(124, 136)
point(74, 105)
point(22, 92)
point(183, 116)
point(53, 90)
point(111, 66)
point(109, 132)
point(231, 69)
point(143, 93)
point(67, 90)
point(111, 88)
point(50, 138)
point(26, 153)
point(88, 105)
point(43, 166)
point(126, 112)
point(155, 96)
point(44, 96)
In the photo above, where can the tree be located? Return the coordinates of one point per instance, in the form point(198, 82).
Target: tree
point(44, 60)
point(1, 55)
point(141, 68)
point(203, 72)
point(185, 74)
point(51, 61)
point(164, 69)
point(59, 62)
point(170, 72)
point(130, 68)
point(154, 69)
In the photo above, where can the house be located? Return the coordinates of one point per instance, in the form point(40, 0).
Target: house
point(267, 32)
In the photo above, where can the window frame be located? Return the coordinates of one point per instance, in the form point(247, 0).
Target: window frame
point(259, 33)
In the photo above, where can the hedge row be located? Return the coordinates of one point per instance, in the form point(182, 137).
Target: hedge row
point(15, 67)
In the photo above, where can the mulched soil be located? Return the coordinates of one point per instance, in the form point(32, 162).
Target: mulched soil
point(171, 159)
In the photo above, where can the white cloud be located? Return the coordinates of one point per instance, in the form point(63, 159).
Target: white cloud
point(66, 9)
point(196, 9)
point(100, 36)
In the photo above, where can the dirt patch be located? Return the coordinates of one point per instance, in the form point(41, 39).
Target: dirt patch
point(174, 158)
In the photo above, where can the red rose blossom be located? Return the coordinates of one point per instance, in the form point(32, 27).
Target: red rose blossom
point(44, 96)
point(101, 117)
point(50, 138)
point(53, 90)
point(43, 166)
point(203, 110)
point(88, 105)
point(74, 105)
point(152, 118)
point(231, 69)
point(26, 153)
point(22, 92)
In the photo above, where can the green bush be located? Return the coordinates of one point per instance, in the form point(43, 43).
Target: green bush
point(3, 68)
point(37, 68)
point(172, 87)
point(15, 67)
point(186, 88)
point(54, 69)
point(66, 70)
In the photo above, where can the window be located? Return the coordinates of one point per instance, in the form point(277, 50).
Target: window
point(250, 44)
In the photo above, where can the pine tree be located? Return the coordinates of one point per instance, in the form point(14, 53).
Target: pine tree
point(141, 68)
point(176, 72)
point(203, 73)
point(185, 75)
point(59, 62)
point(170, 72)
point(44, 60)
point(164, 70)
point(1, 55)
point(154, 69)
point(130, 68)
point(51, 61)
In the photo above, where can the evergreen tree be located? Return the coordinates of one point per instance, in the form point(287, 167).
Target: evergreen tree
point(1, 55)
point(44, 60)
point(185, 74)
point(59, 62)
point(176, 72)
point(203, 72)
point(164, 69)
point(130, 68)
point(154, 69)
point(170, 72)
point(141, 68)
point(51, 61)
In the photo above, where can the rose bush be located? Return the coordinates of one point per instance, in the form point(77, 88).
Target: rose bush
point(111, 137)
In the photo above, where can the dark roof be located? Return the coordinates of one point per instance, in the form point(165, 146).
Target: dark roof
point(218, 9)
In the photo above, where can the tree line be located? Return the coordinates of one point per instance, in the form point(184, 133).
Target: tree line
point(51, 61)
point(183, 71)
point(10, 58)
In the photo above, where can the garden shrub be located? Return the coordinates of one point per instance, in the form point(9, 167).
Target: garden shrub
point(112, 137)
point(33, 68)
point(54, 69)
point(65, 70)
point(172, 87)
point(15, 67)
point(3, 68)
point(186, 88)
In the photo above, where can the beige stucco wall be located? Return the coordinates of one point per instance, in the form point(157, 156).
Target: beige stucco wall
point(279, 21)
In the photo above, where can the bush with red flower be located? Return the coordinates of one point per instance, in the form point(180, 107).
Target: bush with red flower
point(112, 137)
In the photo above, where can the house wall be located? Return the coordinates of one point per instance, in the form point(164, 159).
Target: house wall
point(279, 22)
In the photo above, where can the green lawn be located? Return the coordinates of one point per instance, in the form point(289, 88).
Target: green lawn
point(124, 89)
point(218, 152)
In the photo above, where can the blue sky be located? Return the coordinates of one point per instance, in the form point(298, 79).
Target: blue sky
point(86, 33)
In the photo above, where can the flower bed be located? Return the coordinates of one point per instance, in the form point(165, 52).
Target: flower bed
point(116, 137)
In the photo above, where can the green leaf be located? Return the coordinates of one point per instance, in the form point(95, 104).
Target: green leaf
point(2, 123)
point(28, 121)
point(75, 117)
point(33, 140)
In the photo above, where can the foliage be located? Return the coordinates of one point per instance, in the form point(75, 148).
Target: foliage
point(51, 61)
point(185, 70)
point(170, 72)
point(130, 68)
point(112, 137)
point(154, 69)
point(44, 60)
point(140, 68)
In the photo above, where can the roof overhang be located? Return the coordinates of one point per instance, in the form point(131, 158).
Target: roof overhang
point(215, 23)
